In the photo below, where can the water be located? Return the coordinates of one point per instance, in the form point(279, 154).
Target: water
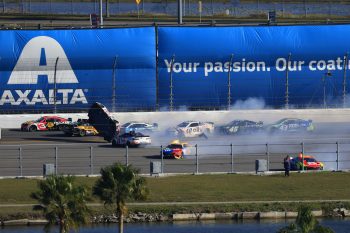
point(246, 226)
point(190, 7)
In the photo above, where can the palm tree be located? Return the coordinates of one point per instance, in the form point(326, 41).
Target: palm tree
point(62, 202)
point(120, 183)
point(305, 223)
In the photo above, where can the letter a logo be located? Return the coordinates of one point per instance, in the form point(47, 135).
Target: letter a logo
point(38, 58)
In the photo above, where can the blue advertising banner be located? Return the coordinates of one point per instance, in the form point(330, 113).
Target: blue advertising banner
point(209, 66)
point(75, 68)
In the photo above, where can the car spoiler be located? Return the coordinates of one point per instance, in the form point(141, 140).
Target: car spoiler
point(101, 119)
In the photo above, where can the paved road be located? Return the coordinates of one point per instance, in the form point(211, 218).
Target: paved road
point(24, 153)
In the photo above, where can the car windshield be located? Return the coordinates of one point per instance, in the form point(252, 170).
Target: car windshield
point(280, 121)
point(183, 124)
point(234, 123)
point(175, 146)
point(310, 160)
point(126, 124)
point(40, 119)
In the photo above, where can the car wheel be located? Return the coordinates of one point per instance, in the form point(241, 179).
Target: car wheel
point(114, 142)
point(32, 128)
point(82, 133)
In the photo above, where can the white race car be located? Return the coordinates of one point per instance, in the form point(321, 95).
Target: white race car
point(194, 129)
point(131, 140)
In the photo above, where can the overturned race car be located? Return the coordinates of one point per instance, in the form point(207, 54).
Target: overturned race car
point(109, 128)
point(104, 123)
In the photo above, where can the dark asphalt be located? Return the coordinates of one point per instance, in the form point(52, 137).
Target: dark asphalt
point(24, 153)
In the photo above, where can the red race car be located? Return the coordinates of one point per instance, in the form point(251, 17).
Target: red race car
point(310, 163)
point(43, 123)
point(176, 150)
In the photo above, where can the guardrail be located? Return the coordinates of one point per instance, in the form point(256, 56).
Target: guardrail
point(28, 160)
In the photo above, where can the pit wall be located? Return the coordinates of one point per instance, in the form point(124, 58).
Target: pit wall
point(168, 119)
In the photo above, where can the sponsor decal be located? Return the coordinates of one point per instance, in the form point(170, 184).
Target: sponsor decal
point(38, 60)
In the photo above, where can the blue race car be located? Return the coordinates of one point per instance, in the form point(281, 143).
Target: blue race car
point(292, 125)
point(138, 127)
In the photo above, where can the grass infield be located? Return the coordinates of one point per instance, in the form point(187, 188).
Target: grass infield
point(211, 188)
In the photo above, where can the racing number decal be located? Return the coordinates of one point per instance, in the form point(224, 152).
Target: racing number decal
point(41, 126)
point(193, 130)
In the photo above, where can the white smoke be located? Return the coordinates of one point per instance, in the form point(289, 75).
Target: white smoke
point(250, 103)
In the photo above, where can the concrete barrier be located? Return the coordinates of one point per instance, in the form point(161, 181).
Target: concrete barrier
point(218, 117)
point(290, 214)
point(183, 217)
point(207, 216)
point(17, 222)
point(37, 222)
point(225, 215)
point(272, 214)
point(317, 213)
point(250, 215)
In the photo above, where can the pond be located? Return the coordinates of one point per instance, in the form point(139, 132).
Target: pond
point(246, 226)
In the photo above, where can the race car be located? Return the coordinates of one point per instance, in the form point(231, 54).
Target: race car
point(81, 128)
point(193, 129)
point(241, 127)
point(176, 150)
point(310, 163)
point(103, 121)
point(291, 125)
point(131, 139)
point(43, 123)
point(138, 127)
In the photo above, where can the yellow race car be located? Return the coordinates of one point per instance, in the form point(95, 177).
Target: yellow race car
point(80, 128)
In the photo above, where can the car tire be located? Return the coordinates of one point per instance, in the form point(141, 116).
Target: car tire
point(32, 128)
point(82, 133)
point(114, 142)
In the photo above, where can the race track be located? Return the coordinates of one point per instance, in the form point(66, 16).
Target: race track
point(24, 153)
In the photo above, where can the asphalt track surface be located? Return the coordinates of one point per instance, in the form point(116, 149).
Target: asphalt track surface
point(24, 153)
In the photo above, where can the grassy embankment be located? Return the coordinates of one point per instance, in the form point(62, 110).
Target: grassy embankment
point(268, 190)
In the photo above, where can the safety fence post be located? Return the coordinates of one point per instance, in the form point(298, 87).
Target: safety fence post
point(91, 161)
point(162, 159)
point(337, 156)
point(231, 147)
point(197, 160)
point(20, 162)
point(302, 155)
point(268, 156)
point(127, 155)
point(56, 160)
point(3, 6)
